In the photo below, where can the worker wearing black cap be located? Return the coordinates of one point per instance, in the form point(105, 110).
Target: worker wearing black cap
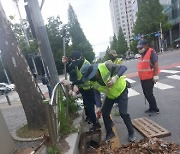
point(85, 88)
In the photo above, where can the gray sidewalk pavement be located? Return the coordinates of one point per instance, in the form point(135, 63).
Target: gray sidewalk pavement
point(14, 115)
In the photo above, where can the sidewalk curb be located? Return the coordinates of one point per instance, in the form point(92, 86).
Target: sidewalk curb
point(73, 139)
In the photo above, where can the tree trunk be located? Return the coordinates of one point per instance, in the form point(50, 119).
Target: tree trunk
point(29, 94)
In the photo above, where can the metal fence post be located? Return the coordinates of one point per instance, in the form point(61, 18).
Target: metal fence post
point(50, 121)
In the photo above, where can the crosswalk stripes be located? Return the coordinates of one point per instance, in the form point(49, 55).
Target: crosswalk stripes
point(130, 80)
point(170, 71)
point(158, 85)
point(162, 86)
point(132, 92)
point(177, 77)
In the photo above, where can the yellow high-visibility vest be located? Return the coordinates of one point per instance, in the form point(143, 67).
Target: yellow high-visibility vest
point(115, 90)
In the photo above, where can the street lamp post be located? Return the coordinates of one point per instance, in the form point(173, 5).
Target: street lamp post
point(4, 69)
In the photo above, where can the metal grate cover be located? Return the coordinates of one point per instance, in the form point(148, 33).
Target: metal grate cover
point(149, 128)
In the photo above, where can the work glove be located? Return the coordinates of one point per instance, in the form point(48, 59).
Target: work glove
point(75, 89)
point(155, 78)
point(64, 60)
point(72, 94)
point(66, 82)
point(112, 81)
point(98, 113)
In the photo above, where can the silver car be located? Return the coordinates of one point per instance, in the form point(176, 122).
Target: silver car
point(4, 89)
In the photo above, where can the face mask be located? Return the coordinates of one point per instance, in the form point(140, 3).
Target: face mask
point(112, 57)
point(78, 62)
point(141, 51)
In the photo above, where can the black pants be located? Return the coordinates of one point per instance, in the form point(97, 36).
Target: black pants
point(147, 86)
point(89, 102)
point(122, 101)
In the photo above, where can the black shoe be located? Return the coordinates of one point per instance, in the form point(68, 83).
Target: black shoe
point(131, 138)
point(96, 126)
point(109, 136)
point(153, 113)
point(148, 111)
point(88, 121)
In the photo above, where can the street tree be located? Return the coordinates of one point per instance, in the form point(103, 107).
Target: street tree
point(122, 44)
point(78, 38)
point(149, 17)
point(28, 91)
point(55, 30)
point(114, 43)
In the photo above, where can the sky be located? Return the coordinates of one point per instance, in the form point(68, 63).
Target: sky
point(93, 16)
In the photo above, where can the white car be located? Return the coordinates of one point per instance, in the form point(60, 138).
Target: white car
point(4, 89)
point(11, 86)
point(136, 56)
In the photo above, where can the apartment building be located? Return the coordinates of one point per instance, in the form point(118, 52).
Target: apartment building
point(123, 14)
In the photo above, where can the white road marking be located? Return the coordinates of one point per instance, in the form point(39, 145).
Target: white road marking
point(132, 92)
point(130, 80)
point(162, 86)
point(170, 71)
point(177, 77)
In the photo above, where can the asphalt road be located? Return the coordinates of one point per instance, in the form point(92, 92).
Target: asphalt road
point(167, 93)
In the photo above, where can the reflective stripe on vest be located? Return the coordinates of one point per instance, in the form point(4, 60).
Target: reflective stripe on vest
point(116, 89)
point(118, 61)
point(86, 85)
point(144, 69)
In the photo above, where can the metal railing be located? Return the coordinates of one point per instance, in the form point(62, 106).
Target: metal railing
point(53, 108)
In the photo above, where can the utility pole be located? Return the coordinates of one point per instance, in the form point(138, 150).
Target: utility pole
point(64, 50)
point(161, 38)
point(43, 41)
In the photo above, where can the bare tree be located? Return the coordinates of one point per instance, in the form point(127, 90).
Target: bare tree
point(26, 87)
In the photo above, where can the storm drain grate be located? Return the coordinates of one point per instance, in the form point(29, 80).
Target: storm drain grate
point(149, 128)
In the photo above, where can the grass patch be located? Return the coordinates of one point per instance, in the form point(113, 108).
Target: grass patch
point(25, 132)
point(67, 126)
point(54, 150)
point(116, 113)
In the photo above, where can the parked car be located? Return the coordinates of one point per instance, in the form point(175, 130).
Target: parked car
point(128, 57)
point(4, 89)
point(136, 56)
point(11, 86)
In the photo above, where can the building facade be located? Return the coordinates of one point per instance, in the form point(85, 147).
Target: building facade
point(123, 14)
point(172, 9)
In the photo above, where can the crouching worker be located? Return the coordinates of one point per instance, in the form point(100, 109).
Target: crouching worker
point(107, 78)
point(85, 88)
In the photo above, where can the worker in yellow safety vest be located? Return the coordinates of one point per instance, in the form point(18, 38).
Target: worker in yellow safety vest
point(113, 56)
point(107, 78)
point(88, 93)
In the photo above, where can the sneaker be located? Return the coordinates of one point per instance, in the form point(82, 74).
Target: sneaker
point(109, 136)
point(96, 126)
point(131, 138)
point(148, 111)
point(153, 113)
